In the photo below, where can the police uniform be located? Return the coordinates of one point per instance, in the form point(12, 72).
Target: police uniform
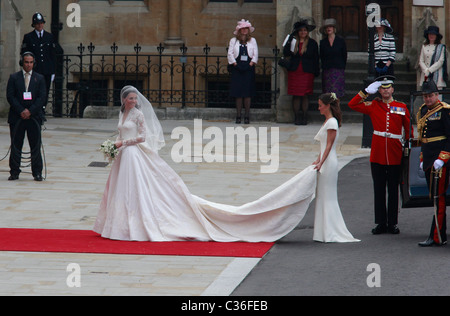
point(43, 47)
point(433, 125)
point(388, 120)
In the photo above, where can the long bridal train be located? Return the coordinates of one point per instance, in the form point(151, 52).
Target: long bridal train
point(146, 200)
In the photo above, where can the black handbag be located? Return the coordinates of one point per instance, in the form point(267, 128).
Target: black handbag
point(285, 62)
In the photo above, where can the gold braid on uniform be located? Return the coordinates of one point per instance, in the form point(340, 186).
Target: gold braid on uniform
point(422, 120)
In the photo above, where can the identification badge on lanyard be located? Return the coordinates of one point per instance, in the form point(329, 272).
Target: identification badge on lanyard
point(27, 96)
point(244, 58)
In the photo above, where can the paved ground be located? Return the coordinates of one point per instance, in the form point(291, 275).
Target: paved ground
point(379, 265)
point(70, 196)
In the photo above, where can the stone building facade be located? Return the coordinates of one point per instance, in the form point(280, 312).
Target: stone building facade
point(195, 23)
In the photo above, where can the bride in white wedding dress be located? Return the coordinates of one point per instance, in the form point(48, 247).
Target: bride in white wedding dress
point(145, 200)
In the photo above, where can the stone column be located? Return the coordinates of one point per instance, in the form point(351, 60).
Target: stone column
point(174, 12)
point(288, 12)
point(10, 43)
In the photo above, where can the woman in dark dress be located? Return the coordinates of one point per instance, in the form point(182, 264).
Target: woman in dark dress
point(242, 57)
point(333, 57)
point(304, 54)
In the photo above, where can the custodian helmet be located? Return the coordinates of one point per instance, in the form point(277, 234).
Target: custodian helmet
point(37, 18)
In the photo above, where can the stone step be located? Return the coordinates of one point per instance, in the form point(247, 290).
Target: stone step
point(356, 73)
point(403, 66)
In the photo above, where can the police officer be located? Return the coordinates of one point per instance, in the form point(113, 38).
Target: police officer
point(433, 124)
point(388, 118)
point(42, 44)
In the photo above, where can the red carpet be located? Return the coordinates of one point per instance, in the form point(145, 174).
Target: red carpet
point(85, 241)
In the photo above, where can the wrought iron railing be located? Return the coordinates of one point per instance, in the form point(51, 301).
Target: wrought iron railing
point(166, 79)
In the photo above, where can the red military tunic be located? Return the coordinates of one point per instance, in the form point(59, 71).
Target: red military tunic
point(388, 119)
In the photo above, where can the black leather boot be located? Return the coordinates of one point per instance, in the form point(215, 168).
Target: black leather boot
point(430, 243)
point(379, 229)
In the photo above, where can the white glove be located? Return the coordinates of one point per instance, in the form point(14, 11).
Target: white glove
point(438, 164)
point(421, 166)
point(373, 87)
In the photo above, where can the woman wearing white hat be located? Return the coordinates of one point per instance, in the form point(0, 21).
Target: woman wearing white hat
point(385, 49)
point(243, 56)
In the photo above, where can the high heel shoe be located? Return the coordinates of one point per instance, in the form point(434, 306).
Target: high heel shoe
point(238, 120)
point(246, 120)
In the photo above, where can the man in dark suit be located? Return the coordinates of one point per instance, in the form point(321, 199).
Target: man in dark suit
point(42, 44)
point(26, 95)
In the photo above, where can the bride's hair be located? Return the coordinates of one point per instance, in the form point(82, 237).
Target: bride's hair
point(154, 132)
point(124, 96)
point(335, 108)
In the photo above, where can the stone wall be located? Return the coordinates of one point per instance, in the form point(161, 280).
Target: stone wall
point(9, 47)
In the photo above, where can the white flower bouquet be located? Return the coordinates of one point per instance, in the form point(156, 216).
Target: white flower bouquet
point(109, 149)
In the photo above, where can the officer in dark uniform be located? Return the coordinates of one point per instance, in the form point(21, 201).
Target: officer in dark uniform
point(433, 124)
point(42, 44)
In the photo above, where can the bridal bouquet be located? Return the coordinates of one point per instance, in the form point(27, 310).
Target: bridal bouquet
point(109, 149)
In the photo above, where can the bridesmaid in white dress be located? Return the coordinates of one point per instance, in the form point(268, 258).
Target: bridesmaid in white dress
point(329, 225)
point(146, 200)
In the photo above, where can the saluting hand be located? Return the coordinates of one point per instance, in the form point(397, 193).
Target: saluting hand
point(373, 87)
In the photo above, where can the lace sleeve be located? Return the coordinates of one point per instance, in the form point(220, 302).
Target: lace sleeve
point(141, 131)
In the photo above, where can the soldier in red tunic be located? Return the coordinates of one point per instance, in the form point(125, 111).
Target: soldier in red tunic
point(433, 125)
point(391, 124)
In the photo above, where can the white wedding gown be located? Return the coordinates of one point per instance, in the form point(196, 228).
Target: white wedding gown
point(145, 200)
point(329, 225)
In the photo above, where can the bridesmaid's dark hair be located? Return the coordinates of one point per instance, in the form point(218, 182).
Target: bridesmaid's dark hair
point(333, 101)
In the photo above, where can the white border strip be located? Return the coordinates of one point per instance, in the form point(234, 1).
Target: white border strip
point(231, 277)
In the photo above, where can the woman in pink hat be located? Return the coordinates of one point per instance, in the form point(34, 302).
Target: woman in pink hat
point(242, 57)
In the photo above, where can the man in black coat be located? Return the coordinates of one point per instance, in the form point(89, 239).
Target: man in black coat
point(26, 94)
point(42, 44)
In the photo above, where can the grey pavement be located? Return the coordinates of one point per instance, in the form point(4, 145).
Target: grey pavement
point(296, 265)
point(382, 265)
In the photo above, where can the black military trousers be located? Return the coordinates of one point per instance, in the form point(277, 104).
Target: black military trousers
point(17, 132)
point(383, 177)
point(442, 186)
